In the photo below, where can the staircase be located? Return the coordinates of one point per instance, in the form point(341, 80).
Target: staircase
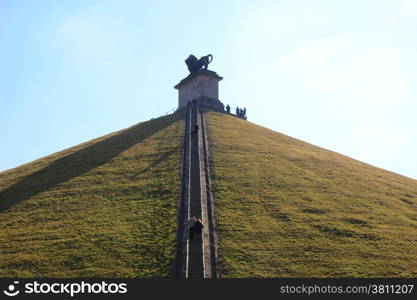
point(195, 255)
point(195, 258)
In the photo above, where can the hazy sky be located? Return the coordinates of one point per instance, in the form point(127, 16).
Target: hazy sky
point(338, 74)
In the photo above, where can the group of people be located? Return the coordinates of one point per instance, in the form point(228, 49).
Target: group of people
point(195, 227)
point(239, 111)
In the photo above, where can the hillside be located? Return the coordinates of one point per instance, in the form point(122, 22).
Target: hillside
point(286, 208)
point(105, 208)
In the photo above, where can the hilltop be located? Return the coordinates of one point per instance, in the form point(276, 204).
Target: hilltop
point(286, 208)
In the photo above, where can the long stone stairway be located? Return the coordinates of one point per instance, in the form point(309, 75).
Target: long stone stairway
point(195, 255)
point(195, 258)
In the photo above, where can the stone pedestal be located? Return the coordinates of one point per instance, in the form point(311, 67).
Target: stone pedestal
point(202, 86)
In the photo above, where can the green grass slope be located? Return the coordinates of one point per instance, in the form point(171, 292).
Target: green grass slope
point(286, 208)
point(105, 208)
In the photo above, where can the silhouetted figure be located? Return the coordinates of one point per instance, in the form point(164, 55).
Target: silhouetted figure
point(237, 110)
point(196, 229)
point(244, 112)
point(195, 131)
point(228, 108)
point(191, 223)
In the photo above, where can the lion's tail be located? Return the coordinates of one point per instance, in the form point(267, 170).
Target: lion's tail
point(211, 58)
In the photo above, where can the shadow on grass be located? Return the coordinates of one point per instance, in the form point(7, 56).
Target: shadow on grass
point(164, 156)
point(82, 161)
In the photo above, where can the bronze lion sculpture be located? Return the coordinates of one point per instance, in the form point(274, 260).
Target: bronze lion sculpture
point(195, 64)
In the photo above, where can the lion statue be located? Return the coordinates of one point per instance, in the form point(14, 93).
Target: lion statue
point(195, 64)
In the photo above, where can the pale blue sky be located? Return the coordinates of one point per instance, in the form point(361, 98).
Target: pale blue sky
point(338, 74)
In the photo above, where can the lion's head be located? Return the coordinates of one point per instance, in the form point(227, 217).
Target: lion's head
point(190, 61)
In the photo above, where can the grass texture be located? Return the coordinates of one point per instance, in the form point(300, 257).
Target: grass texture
point(286, 208)
point(105, 208)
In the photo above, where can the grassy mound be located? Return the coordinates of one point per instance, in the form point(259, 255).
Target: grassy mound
point(286, 208)
point(105, 208)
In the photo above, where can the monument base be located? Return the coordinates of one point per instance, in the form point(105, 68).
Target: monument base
point(207, 104)
point(202, 86)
